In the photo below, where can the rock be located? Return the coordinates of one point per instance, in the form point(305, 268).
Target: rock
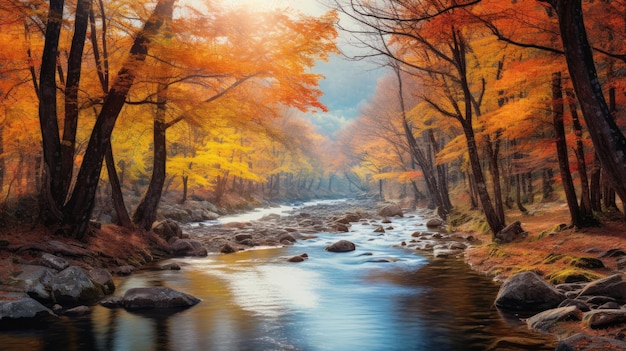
point(445, 253)
point(54, 262)
point(512, 232)
point(36, 281)
point(435, 223)
point(124, 270)
point(349, 218)
point(296, 259)
point(78, 311)
point(242, 237)
point(73, 285)
point(390, 210)
point(24, 311)
point(379, 229)
point(526, 291)
point(167, 228)
point(545, 321)
point(157, 297)
point(583, 342)
point(596, 319)
point(112, 301)
point(612, 253)
point(341, 246)
point(227, 249)
point(170, 267)
point(68, 250)
point(188, 247)
point(612, 286)
point(621, 263)
point(103, 278)
point(340, 227)
point(587, 262)
point(582, 305)
point(287, 237)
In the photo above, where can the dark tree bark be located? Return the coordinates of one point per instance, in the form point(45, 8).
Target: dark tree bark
point(77, 212)
point(608, 140)
point(561, 150)
point(518, 193)
point(70, 124)
point(52, 196)
point(585, 198)
point(123, 219)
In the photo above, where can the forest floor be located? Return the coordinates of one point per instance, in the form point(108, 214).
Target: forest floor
point(551, 253)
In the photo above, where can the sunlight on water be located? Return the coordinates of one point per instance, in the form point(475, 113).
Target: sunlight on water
point(272, 290)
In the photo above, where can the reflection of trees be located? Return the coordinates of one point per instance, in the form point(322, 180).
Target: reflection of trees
point(454, 306)
point(70, 334)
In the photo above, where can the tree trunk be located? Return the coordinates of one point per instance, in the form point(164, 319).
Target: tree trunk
point(596, 188)
point(123, 219)
point(493, 149)
point(185, 182)
point(52, 197)
point(77, 212)
point(608, 140)
point(146, 211)
point(70, 124)
point(561, 150)
point(585, 198)
point(518, 193)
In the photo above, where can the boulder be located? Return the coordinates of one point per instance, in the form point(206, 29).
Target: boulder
point(242, 237)
point(78, 311)
point(612, 286)
point(157, 297)
point(435, 223)
point(54, 262)
point(23, 311)
point(36, 281)
point(583, 342)
point(526, 291)
point(73, 285)
point(112, 301)
point(167, 229)
point(510, 233)
point(545, 321)
point(341, 246)
point(227, 249)
point(188, 247)
point(104, 279)
point(604, 318)
point(390, 210)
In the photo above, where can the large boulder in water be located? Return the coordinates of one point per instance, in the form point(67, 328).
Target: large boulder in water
point(526, 291)
point(167, 229)
point(19, 311)
point(188, 247)
point(157, 297)
point(390, 210)
point(341, 246)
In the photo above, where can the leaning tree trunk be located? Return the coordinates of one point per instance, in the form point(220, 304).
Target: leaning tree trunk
point(608, 140)
point(123, 219)
point(77, 212)
point(585, 197)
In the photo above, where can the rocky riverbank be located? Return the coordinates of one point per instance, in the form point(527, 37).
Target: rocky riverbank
point(37, 264)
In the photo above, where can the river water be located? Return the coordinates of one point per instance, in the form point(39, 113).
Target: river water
point(379, 297)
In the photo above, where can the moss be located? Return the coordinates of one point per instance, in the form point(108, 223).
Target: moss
point(572, 275)
point(586, 262)
point(553, 258)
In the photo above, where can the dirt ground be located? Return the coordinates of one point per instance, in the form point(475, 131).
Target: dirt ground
point(541, 249)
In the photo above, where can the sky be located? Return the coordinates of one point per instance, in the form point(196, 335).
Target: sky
point(348, 84)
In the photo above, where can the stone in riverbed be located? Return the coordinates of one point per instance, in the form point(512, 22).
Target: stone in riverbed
point(435, 223)
point(390, 210)
point(341, 246)
point(157, 297)
point(19, 310)
point(73, 285)
point(596, 319)
point(545, 321)
point(526, 291)
point(188, 247)
point(612, 286)
point(583, 342)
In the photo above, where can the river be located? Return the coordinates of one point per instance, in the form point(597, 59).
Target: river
point(379, 297)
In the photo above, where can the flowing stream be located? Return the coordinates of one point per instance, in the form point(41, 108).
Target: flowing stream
point(379, 297)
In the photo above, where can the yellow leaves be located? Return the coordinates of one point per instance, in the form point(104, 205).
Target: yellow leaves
point(400, 177)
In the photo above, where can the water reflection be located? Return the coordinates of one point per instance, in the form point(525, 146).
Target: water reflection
point(255, 300)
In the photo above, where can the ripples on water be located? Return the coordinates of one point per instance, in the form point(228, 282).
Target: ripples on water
point(255, 300)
